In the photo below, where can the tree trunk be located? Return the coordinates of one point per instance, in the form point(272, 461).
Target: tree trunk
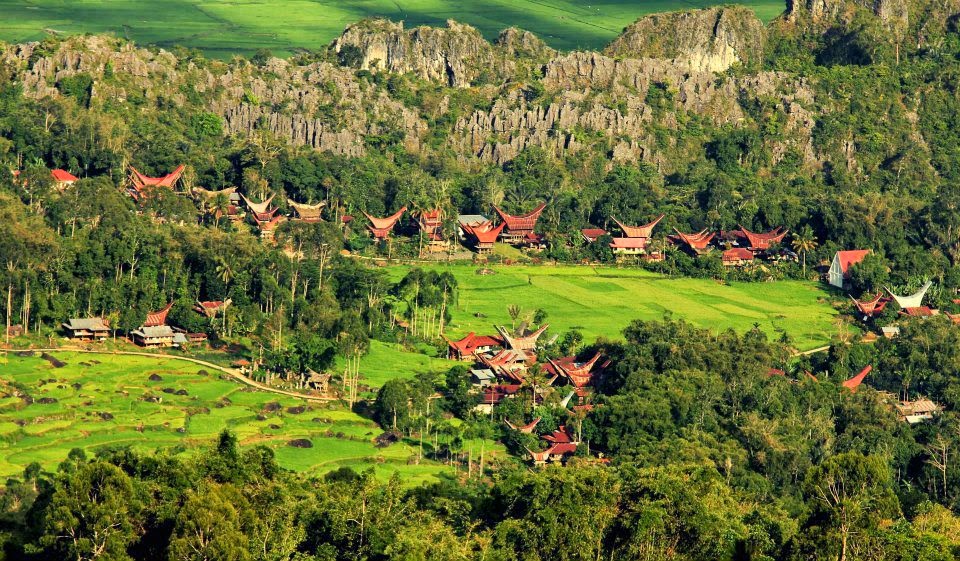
point(9, 309)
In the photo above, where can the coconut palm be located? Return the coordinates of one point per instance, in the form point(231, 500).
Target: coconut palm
point(804, 241)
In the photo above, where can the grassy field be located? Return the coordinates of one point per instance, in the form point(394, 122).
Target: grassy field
point(602, 301)
point(224, 27)
point(385, 361)
point(103, 400)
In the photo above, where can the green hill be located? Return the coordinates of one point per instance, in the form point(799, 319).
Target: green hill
point(223, 28)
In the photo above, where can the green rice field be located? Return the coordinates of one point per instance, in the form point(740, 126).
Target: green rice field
point(385, 361)
point(602, 301)
point(222, 28)
point(101, 400)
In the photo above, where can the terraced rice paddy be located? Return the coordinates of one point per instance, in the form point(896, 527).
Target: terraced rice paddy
point(600, 302)
point(100, 400)
point(222, 28)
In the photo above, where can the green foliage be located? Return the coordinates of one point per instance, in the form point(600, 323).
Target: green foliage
point(350, 56)
point(78, 86)
point(206, 125)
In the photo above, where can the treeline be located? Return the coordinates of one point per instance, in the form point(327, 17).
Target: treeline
point(712, 457)
point(771, 452)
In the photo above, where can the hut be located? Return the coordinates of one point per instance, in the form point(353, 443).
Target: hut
point(87, 329)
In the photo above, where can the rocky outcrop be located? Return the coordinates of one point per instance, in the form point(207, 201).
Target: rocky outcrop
point(319, 105)
point(632, 103)
point(598, 95)
point(832, 12)
point(518, 43)
point(455, 55)
point(709, 40)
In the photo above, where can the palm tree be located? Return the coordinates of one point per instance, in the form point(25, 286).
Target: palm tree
point(804, 241)
point(224, 271)
point(514, 312)
point(219, 206)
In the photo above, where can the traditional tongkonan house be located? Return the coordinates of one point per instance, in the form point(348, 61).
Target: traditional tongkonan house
point(508, 363)
point(307, 213)
point(517, 227)
point(737, 257)
point(526, 342)
point(261, 212)
point(698, 243)
point(159, 317)
point(472, 346)
point(62, 179)
point(482, 236)
point(525, 429)
point(140, 184)
point(211, 308)
point(431, 224)
point(913, 301)
point(579, 374)
point(644, 231)
point(562, 445)
point(381, 227)
point(839, 272)
point(870, 308)
point(87, 329)
point(853, 383)
point(762, 242)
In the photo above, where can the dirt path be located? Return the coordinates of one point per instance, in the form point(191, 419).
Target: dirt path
point(232, 372)
point(812, 351)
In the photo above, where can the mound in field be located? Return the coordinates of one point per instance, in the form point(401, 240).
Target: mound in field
point(53, 360)
point(296, 410)
point(300, 443)
point(47, 400)
point(387, 438)
point(155, 378)
point(271, 407)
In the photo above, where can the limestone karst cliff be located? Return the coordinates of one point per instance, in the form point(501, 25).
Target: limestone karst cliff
point(710, 40)
point(450, 89)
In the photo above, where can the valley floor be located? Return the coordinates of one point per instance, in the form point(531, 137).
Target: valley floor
point(102, 400)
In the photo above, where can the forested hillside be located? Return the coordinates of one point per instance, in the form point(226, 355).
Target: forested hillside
point(837, 118)
point(838, 121)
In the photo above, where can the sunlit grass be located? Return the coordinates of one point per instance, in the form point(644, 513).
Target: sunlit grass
point(226, 27)
point(100, 402)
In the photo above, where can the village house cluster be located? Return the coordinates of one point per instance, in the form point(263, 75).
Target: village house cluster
point(503, 367)
point(739, 247)
point(154, 332)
